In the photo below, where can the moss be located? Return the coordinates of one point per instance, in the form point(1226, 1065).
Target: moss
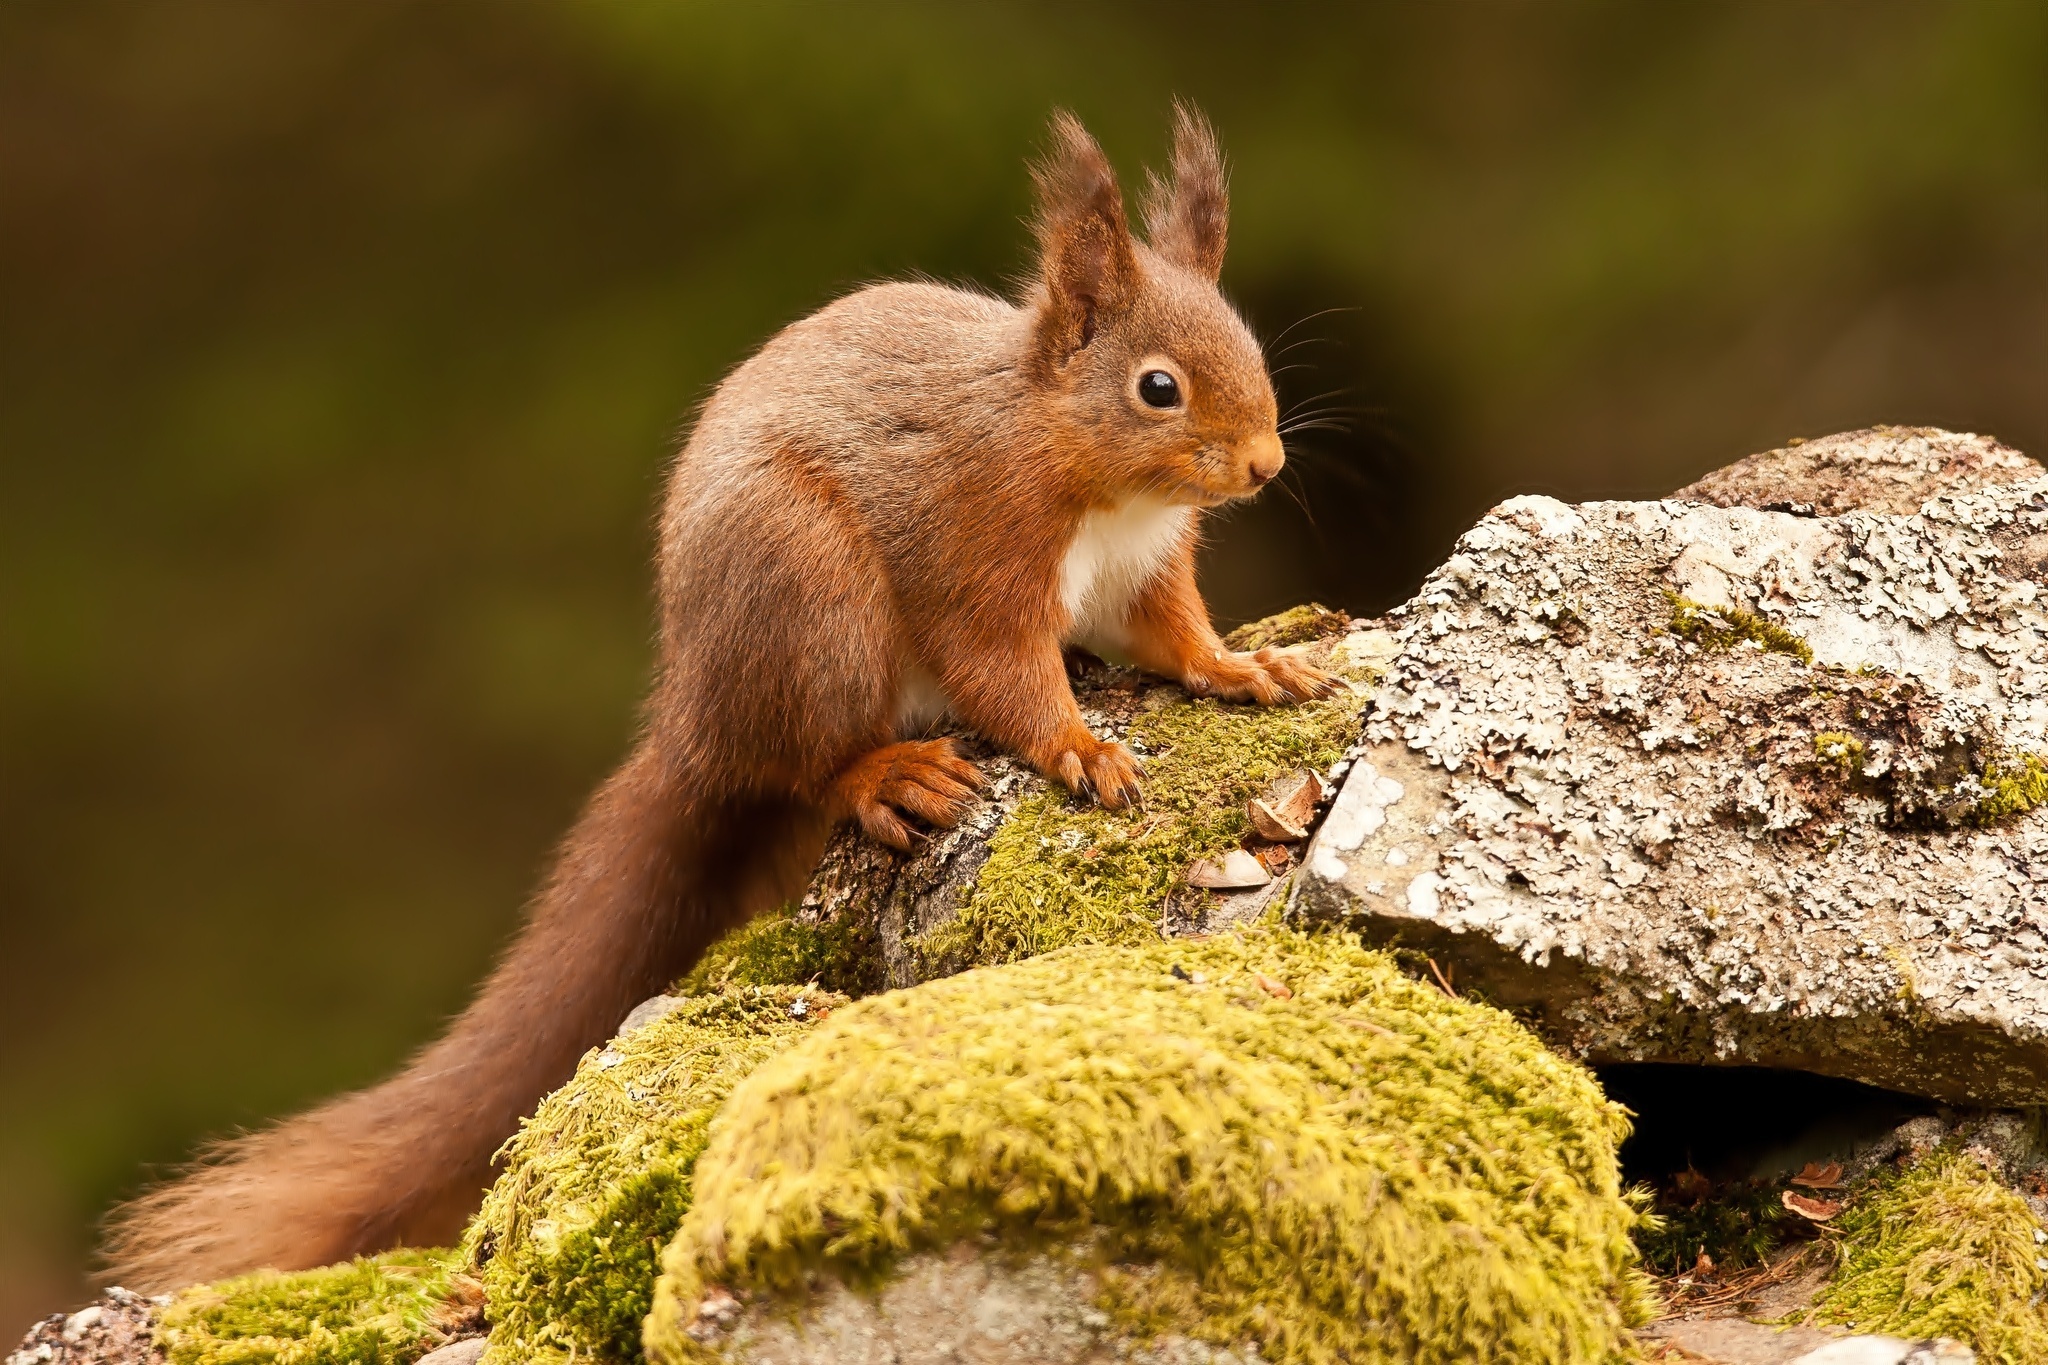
point(781, 949)
point(1295, 626)
point(597, 1181)
point(1942, 1249)
point(1844, 752)
point(1353, 1168)
point(2013, 786)
point(1734, 1227)
point(373, 1311)
point(1062, 872)
point(1726, 627)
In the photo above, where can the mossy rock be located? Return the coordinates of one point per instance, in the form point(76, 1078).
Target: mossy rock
point(380, 1310)
point(1270, 1137)
point(1486, 1162)
point(596, 1182)
point(1062, 871)
point(1943, 1249)
point(1036, 868)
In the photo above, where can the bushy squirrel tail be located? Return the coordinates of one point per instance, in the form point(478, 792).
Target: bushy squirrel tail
point(648, 878)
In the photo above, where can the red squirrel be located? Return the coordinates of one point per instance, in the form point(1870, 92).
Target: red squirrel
point(905, 504)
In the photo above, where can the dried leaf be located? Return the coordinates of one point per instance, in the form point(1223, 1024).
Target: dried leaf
point(1300, 804)
point(1270, 824)
point(1816, 1210)
point(1236, 870)
point(1274, 858)
point(1276, 989)
point(1288, 807)
point(1690, 1186)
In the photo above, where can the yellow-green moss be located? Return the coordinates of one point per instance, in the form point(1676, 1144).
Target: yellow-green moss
point(373, 1311)
point(597, 1181)
point(1842, 751)
point(1295, 626)
point(1364, 1170)
point(779, 949)
point(1726, 627)
point(1942, 1249)
point(2013, 786)
point(1063, 871)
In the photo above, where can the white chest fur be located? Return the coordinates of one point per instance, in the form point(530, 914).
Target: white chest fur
point(1115, 552)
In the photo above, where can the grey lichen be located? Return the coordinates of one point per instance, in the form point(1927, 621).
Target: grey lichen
point(1842, 761)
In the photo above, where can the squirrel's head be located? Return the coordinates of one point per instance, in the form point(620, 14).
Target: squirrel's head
point(1148, 365)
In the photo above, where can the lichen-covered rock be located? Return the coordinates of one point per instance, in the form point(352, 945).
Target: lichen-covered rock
point(119, 1328)
point(1261, 1140)
point(1883, 469)
point(1704, 784)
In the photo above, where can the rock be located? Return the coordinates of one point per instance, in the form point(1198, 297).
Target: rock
point(967, 1169)
point(934, 1310)
point(1711, 784)
point(951, 1310)
point(467, 1351)
point(1888, 1351)
point(1734, 1341)
point(649, 1010)
point(1031, 869)
point(116, 1329)
point(1884, 469)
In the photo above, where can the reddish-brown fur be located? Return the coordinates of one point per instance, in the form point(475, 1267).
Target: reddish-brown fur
point(887, 499)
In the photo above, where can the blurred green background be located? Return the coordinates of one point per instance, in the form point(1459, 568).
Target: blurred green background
point(341, 347)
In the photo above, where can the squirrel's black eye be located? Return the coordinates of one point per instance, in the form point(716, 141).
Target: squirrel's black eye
point(1158, 389)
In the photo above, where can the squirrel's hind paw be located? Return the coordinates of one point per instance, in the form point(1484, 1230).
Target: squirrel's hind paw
point(926, 779)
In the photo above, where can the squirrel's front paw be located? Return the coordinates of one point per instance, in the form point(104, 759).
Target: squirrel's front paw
point(926, 778)
point(1108, 770)
point(1266, 676)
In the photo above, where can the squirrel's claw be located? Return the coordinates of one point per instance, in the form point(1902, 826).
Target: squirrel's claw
point(928, 779)
point(1106, 770)
point(1266, 676)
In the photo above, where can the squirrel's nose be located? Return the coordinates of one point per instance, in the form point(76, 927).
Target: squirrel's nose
point(1265, 460)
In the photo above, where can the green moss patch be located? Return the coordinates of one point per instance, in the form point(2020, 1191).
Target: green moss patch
point(1295, 626)
point(1285, 1141)
point(1064, 871)
point(2013, 786)
point(597, 1181)
point(781, 949)
point(1942, 1249)
point(379, 1310)
point(1713, 628)
point(1841, 751)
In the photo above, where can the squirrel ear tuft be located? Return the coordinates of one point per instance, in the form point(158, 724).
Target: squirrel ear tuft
point(1086, 262)
point(1187, 219)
